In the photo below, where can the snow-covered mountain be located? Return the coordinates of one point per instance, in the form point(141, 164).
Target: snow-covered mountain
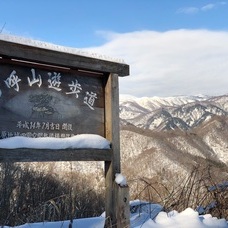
point(179, 112)
point(161, 137)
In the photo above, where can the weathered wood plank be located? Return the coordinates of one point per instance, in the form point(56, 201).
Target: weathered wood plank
point(39, 104)
point(112, 134)
point(123, 208)
point(41, 55)
point(38, 155)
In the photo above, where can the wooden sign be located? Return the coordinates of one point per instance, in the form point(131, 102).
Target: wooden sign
point(39, 102)
point(51, 93)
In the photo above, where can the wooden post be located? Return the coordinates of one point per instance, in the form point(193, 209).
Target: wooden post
point(112, 134)
point(123, 208)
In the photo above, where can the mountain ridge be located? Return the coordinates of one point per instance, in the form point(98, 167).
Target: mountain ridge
point(182, 112)
point(174, 137)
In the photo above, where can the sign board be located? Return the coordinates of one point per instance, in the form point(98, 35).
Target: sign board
point(45, 92)
point(38, 101)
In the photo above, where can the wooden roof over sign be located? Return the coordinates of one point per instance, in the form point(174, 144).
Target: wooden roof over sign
point(11, 48)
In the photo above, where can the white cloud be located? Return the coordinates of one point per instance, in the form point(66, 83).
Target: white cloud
point(194, 10)
point(222, 3)
point(178, 62)
point(188, 10)
point(208, 7)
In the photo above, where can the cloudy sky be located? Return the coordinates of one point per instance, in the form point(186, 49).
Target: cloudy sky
point(173, 47)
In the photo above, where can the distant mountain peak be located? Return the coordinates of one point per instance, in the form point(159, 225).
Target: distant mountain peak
point(183, 112)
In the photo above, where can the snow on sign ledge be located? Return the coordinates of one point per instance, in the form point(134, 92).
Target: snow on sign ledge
point(83, 141)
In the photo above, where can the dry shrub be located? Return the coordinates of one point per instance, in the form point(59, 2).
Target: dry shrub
point(200, 191)
point(28, 196)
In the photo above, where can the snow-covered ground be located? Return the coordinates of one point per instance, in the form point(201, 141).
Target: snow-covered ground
point(185, 219)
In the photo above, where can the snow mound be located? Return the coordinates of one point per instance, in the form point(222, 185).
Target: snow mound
point(188, 219)
point(76, 142)
point(120, 179)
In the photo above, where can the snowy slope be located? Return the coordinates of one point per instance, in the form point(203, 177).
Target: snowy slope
point(149, 216)
point(171, 113)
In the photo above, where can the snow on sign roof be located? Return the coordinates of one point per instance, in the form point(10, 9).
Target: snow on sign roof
point(54, 47)
point(46, 53)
